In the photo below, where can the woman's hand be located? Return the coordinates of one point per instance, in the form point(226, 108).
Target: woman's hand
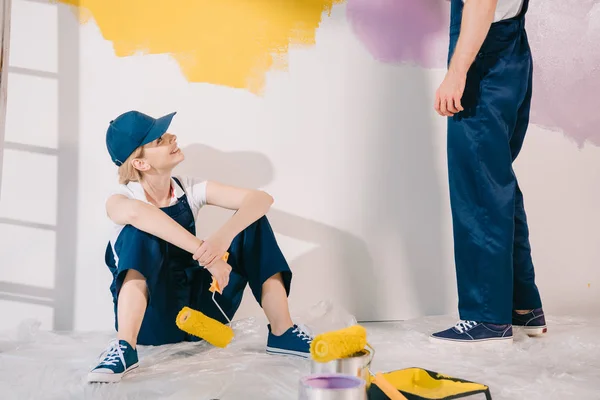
point(220, 270)
point(211, 250)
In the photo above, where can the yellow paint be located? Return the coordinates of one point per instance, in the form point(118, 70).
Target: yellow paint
point(421, 383)
point(223, 42)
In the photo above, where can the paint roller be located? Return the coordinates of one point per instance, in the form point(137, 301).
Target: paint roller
point(209, 329)
point(345, 343)
point(338, 344)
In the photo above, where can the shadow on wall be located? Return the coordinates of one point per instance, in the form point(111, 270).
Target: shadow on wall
point(58, 295)
point(406, 193)
point(332, 247)
point(406, 189)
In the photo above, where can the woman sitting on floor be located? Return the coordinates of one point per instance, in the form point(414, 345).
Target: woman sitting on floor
point(159, 265)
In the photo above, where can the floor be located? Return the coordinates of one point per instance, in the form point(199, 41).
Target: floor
point(43, 365)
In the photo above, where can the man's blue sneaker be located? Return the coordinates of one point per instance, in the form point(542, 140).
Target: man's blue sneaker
point(533, 323)
point(294, 342)
point(116, 361)
point(475, 333)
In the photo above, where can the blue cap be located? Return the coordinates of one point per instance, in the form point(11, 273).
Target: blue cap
point(131, 130)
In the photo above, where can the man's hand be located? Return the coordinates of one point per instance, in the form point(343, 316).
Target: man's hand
point(211, 250)
point(477, 17)
point(449, 94)
point(220, 270)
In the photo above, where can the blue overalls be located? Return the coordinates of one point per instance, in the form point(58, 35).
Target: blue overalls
point(175, 280)
point(494, 269)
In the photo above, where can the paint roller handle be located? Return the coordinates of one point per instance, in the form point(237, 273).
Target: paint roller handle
point(214, 286)
point(372, 352)
point(387, 388)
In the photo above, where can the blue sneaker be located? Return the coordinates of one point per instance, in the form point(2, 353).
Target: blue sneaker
point(116, 361)
point(533, 323)
point(294, 342)
point(475, 332)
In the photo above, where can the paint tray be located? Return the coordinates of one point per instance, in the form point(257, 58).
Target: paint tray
point(421, 384)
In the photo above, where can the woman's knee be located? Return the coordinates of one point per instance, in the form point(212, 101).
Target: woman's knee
point(259, 228)
point(132, 237)
point(136, 246)
point(139, 252)
point(133, 276)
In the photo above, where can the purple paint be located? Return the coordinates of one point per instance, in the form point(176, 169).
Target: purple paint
point(402, 31)
point(564, 37)
point(332, 382)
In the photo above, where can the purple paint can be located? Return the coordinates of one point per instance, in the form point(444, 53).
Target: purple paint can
point(332, 387)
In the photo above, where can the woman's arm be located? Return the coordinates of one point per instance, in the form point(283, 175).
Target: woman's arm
point(150, 219)
point(250, 205)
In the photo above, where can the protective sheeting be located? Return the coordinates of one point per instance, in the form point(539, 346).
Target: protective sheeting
point(44, 365)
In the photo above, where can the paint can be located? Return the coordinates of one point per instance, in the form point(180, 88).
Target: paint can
point(332, 387)
point(358, 365)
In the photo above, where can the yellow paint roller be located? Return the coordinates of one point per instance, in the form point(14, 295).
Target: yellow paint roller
point(196, 323)
point(345, 343)
point(338, 344)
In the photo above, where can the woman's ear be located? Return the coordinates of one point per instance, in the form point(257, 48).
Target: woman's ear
point(140, 164)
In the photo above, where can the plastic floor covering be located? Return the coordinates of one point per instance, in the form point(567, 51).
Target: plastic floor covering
point(35, 364)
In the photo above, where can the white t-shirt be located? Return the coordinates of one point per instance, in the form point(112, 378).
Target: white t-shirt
point(506, 9)
point(194, 188)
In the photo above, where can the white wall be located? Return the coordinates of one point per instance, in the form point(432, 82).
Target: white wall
point(350, 148)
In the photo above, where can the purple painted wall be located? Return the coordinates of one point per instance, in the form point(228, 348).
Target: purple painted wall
point(564, 35)
point(402, 31)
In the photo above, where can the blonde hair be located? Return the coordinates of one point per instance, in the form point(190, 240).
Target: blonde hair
point(127, 172)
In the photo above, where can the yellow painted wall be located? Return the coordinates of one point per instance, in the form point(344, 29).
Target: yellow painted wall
point(227, 42)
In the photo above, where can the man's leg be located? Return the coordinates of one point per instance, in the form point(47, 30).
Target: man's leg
point(483, 192)
point(482, 196)
point(526, 298)
point(525, 293)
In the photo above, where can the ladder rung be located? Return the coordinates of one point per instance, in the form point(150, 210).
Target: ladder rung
point(30, 148)
point(26, 299)
point(32, 72)
point(26, 224)
point(29, 291)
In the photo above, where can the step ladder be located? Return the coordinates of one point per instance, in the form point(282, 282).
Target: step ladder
point(61, 297)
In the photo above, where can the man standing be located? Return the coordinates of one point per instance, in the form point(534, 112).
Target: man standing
point(487, 94)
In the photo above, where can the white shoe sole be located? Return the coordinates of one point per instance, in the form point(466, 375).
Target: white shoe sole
point(282, 352)
point(534, 331)
point(496, 342)
point(102, 377)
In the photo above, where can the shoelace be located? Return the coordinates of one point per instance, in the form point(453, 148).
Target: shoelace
point(303, 333)
point(463, 326)
point(113, 354)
